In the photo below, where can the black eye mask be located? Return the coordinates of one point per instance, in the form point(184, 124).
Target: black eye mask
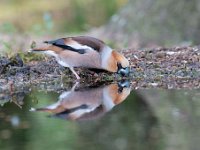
point(119, 65)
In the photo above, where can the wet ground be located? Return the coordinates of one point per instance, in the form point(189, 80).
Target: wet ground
point(177, 67)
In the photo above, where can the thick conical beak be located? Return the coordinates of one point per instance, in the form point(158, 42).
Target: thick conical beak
point(124, 71)
point(123, 84)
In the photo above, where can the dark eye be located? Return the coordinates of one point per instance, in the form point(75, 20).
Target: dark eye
point(120, 89)
point(119, 65)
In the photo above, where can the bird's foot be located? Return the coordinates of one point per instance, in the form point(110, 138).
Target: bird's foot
point(77, 77)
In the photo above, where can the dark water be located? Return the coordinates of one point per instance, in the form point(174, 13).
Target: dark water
point(101, 117)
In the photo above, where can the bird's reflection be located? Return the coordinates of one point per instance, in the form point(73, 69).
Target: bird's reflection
point(88, 103)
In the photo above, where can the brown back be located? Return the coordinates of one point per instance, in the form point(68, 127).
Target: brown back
point(94, 43)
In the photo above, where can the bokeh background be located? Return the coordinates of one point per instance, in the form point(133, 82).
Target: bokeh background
point(147, 119)
point(22, 22)
point(61, 16)
point(121, 23)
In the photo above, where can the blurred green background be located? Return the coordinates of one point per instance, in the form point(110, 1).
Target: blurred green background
point(147, 119)
point(61, 16)
point(133, 24)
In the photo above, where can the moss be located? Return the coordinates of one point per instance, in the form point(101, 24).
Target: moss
point(28, 57)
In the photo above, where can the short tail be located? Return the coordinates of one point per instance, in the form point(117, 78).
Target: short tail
point(39, 49)
point(40, 109)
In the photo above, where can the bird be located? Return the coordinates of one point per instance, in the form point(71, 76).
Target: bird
point(86, 52)
point(89, 102)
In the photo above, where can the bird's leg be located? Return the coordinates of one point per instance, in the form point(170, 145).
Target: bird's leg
point(74, 86)
point(74, 72)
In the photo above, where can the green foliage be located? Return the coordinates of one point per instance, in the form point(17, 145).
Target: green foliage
point(7, 49)
point(51, 16)
point(7, 27)
point(27, 57)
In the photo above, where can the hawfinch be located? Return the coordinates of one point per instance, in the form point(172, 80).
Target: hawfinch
point(88, 103)
point(85, 51)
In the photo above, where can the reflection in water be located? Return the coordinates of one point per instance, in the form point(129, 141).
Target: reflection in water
point(132, 126)
point(147, 119)
point(88, 103)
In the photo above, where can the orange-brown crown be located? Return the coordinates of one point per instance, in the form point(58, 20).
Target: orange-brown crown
point(114, 59)
point(116, 96)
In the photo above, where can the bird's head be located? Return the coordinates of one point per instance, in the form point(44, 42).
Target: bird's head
point(118, 92)
point(121, 65)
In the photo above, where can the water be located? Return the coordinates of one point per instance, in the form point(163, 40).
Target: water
point(111, 116)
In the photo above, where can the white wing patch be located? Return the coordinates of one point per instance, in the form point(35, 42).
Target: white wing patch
point(76, 45)
point(80, 112)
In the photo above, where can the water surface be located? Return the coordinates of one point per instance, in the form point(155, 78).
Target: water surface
point(110, 116)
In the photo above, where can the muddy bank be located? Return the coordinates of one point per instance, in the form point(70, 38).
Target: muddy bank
point(177, 67)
